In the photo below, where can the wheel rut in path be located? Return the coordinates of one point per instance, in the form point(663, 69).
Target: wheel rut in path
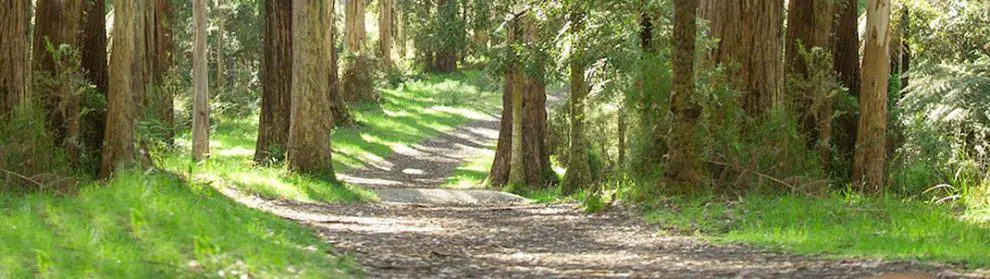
point(419, 231)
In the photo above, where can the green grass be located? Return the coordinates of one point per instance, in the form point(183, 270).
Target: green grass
point(472, 173)
point(884, 227)
point(412, 113)
point(409, 114)
point(153, 226)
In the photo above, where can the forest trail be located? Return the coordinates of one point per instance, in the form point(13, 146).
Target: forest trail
point(419, 231)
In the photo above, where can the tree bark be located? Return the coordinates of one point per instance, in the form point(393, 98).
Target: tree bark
point(846, 63)
point(517, 169)
point(161, 64)
point(221, 64)
point(276, 98)
point(354, 23)
point(535, 116)
point(58, 24)
point(499, 173)
point(578, 172)
point(750, 37)
point(683, 173)
point(201, 106)
point(94, 64)
point(15, 54)
point(386, 30)
point(311, 120)
point(870, 161)
point(118, 143)
point(809, 25)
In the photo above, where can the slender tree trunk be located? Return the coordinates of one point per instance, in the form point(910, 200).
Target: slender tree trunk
point(162, 64)
point(622, 126)
point(201, 106)
point(750, 36)
point(221, 64)
point(276, 83)
point(578, 172)
point(386, 30)
point(118, 143)
point(354, 23)
point(683, 161)
point(15, 54)
point(356, 79)
point(311, 120)
point(846, 63)
point(446, 59)
point(870, 162)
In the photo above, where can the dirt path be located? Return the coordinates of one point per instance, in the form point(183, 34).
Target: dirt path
point(455, 234)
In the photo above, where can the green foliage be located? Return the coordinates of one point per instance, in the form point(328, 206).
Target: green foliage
point(67, 94)
point(141, 225)
point(946, 127)
point(27, 149)
point(839, 225)
point(357, 79)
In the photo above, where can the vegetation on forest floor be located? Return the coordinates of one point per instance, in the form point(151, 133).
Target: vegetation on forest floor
point(472, 173)
point(885, 227)
point(147, 225)
point(408, 115)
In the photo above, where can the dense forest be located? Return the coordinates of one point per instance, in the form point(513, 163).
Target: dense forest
point(508, 138)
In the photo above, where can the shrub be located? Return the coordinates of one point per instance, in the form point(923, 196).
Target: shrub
point(29, 159)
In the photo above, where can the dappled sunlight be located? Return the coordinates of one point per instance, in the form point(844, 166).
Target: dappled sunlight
point(270, 186)
point(233, 152)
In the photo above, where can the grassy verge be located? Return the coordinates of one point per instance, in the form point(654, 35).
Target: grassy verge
point(885, 227)
point(472, 173)
point(153, 225)
point(409, 114)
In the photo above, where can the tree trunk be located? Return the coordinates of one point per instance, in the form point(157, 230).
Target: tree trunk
point(846, 63)
point(870, 161)
point(311, 120)
point(499, 173)
point(94, 63)
point(446, 59)
point(535, 116)
point(221, 78)
point(516, 171)
point(809, 25)
point(14, 54)
point(622, 126)
point(354, 23)
point(58, 24)
point(276, 83)
point(201, 106)
point(162, 64)
point(683, 161)
point(118, 143)
point(750, 36)
point(578, 172)
point(386, 30)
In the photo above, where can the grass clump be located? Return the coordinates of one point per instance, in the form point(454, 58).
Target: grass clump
point(154, 225)
point(837, 225)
